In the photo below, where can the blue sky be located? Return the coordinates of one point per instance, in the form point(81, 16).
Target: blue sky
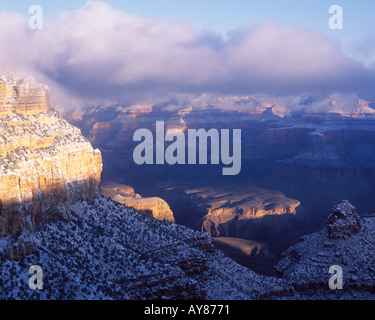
point(223, 15)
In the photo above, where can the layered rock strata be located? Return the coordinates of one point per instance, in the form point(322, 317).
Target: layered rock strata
point(45, 163)
point(150, 206)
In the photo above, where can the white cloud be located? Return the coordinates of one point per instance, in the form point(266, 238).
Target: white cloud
point(98, 54)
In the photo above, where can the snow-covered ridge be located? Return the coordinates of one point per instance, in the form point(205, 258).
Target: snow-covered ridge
point(347, 242)
point(108, 251)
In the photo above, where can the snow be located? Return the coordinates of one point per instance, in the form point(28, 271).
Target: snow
point(105, 247)
point(307, 263)
point(108, 251)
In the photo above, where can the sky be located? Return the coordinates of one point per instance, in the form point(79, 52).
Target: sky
point(126, 50)
point(224, 15)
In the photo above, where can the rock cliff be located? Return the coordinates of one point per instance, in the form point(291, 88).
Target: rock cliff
point(151, 206)
point(343, 221)
point(230, 209)
point(45, 163)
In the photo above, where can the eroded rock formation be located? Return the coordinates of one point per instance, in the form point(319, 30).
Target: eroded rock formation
point(347, 242)
point(151, 206)
point(343, 221)
point(45, 163)
point(229, 210)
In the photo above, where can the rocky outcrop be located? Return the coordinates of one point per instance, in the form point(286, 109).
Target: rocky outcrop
point(346, 242)
point(343, 221)
point(45, 163)
point(22, 97)
point(229, 210)
point(150, 206)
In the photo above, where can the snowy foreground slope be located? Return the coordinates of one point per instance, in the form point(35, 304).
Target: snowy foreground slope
point(347, 242)
point(108, 251)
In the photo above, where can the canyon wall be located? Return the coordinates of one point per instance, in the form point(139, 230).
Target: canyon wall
point(45, 163)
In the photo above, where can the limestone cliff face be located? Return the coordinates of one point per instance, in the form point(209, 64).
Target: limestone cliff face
point(45, 163)
point(151, 206)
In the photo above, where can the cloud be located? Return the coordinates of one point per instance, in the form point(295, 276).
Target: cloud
point(98, 54)
point(364, 49)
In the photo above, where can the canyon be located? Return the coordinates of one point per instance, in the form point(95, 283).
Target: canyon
point(47, 165)
point(176, 151)
point(292, 153)
point(98, 238)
